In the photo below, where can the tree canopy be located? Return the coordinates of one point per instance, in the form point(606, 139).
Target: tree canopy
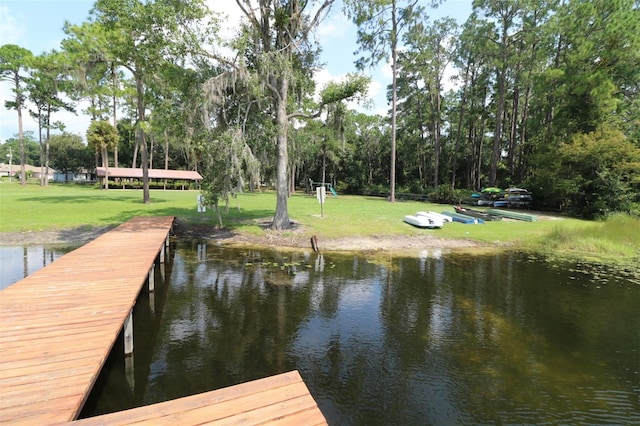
point(540, 94)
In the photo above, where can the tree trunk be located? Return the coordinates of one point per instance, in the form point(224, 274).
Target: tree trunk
point(292, 180)
point(23, 171)
point(136, 148)
point(141, 141)
point(457, 139)
point(511, 159)
point(46, 149)
point(281, 217)
point(166, 149)
point(394, 100)
point(436, 138)
point(115, 110)
point(105, 164)
point(41, 147)
point(497, 134)
point(152, 141)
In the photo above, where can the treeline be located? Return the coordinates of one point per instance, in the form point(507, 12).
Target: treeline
point(541, 94)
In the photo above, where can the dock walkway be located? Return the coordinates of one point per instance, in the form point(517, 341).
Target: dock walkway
point(58, 325)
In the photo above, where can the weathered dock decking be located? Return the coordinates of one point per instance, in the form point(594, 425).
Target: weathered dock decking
point(58, 325)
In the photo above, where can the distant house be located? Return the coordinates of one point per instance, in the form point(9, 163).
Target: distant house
point(82, 176)
point(33, 171)
point(4, 169)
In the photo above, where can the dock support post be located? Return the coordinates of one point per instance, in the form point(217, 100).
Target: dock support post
point(162, 252)
point(128, 334)
point(129, 372)
point(152, 278)
point(152, 304)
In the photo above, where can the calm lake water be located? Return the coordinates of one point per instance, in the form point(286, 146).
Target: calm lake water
point(440, 339)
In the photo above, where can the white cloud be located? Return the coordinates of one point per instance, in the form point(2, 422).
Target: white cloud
point(11, 28)
point(335, 25)
point(375, 88)
point(230, 15)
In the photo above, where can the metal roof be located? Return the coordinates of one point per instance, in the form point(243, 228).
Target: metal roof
point(122, 172)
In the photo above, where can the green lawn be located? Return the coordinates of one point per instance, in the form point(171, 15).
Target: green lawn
point(35, 208)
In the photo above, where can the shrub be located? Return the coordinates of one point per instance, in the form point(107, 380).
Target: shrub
point(445, 194)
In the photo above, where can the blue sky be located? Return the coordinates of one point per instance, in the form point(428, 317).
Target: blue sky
point(37, 26)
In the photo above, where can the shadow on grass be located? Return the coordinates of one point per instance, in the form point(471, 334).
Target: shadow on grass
point(207, 221)
point(63, 199)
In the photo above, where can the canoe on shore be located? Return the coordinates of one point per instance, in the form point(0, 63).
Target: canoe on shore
point(444, 218)
point(513, 215)
point(461, 218)
point(423, 221)
point(476, 213)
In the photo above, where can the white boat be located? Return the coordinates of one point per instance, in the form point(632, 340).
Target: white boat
point(443, 217)
point(423, 221)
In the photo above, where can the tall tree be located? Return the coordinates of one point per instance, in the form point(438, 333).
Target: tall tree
point(505, 13)
point(279, 46)
point(140, 36)
point(48, 80)
point(380, 25)
point(14, 60)
point(69, 154)
point(430, 49)
point(473, 62)
point(103, 136)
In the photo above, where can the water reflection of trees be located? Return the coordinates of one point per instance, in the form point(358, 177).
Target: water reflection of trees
point(440, 339)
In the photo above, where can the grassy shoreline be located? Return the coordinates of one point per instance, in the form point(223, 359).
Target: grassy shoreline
point(57, 207)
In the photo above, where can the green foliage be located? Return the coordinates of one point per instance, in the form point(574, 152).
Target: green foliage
point(353, 86)
point(445, 194)
point(225, 160)
point(102, 135)
point(69, 153)
point(611, 239)
point(31, 150)
point(600, 172)
point(562, 72)
point(13, 61)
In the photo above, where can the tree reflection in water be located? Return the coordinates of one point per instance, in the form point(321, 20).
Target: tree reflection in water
point(441, 338)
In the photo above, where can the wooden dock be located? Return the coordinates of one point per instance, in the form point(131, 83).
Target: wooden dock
point(58, 325)
point(277, 400)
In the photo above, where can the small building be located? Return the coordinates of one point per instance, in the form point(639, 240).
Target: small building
point(159, 177)
point(83, 176)
point(5, 170)
point(31, 171)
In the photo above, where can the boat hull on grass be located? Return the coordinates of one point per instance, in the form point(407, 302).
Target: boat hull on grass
point(423, 221)
point(442, 217)
point(513, 215)
point(476, 213)
point(461, 218)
